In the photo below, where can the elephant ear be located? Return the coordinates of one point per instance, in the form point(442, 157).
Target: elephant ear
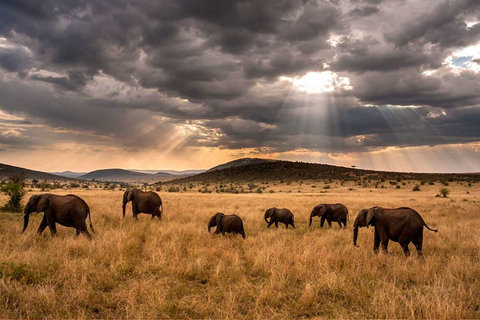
point(218, 218)
point(129, 195)
point(271, 211)
point(370, 215)
point(321, 210)
point(42, 203)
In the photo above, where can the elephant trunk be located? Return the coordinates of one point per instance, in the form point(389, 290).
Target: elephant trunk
point(123, 208)
point(26, 217)
point(355, 236)
point(311, 217)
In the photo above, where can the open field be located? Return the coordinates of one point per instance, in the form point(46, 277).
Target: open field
point(174, 269)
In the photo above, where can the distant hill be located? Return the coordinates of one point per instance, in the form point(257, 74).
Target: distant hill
point(294, 171)
point(68, 174)
point(7, 170)
point(240, 162)
point(124, 175)
point(174, 172)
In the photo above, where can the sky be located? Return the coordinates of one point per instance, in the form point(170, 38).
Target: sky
point(185, 84)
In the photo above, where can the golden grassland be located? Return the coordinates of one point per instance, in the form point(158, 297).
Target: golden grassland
point(174, 269)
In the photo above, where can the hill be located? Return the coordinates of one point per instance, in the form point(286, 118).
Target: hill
point(240, 162)
point(182, 173)
point(294, 171)
point(124, 175)
point(68, 174)
point(7, 170)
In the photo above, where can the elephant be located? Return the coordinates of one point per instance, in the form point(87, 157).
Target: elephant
point(226, 224)
point(330, 212)
point(402, 225)
point(279, 215)
point(69, 211)
point(143, 202)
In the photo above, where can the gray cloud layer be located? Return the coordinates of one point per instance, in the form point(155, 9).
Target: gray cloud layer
point(130, 72)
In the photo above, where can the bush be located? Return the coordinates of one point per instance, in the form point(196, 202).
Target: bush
point(444, 192)
point(14, 189)
point(416, 188)
point(445, 183)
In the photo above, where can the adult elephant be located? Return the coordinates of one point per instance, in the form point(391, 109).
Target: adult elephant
point(68, 211)
point(227, 224)
point(402, 225)
point(331, 212)
point(143, 202)
point(279, 215)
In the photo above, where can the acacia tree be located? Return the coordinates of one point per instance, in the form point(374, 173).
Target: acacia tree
point(14, 189)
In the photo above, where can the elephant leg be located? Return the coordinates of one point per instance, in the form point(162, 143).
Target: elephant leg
point(276, 224)
point(339, 224)
point(293, 225)
point(384, 243)
point(53, 228)
point(286, 225)
point(81, 227)
point(43, 225)
point(418, 245)
point(243, 234)
point(135, 211)
point(405, 249)
point(322, 221)
point(376, 242)
point(329, 223)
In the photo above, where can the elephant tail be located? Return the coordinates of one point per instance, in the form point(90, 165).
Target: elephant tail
point(434, 230)
point(90, 219)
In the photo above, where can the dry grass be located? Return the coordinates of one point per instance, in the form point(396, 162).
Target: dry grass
point(174, 269)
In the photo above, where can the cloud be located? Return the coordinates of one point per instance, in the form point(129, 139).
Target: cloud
point(230, 75)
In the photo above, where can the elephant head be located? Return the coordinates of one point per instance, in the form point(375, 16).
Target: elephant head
point(215, 220)
point(36, 203)
point(317, 211)
point(364, 219)
point(269, 213)
point(127, 197)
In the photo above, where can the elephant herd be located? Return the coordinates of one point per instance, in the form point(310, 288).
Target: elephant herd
point(403, 225)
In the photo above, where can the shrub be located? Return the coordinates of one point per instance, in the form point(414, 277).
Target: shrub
point(398, 186)
point(326, 187)
point(444, 192)
point(445, 183)
point(14, 189)
point(173, 189)
point(416, 188)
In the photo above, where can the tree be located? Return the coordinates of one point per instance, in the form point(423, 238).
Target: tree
point(14, 189)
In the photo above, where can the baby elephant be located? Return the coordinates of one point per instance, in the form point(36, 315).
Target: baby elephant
point(227, 223)
point(69, 211)
point(279, 215)
point(402, 225)
point(331, 212)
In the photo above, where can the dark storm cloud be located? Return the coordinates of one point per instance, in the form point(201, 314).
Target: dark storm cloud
point(445, 26)
point(364, 11)
point(221, 63)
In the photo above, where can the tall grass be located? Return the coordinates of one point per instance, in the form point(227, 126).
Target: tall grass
point(174, 269)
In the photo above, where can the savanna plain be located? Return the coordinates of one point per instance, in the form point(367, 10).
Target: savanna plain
point(174, 268)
